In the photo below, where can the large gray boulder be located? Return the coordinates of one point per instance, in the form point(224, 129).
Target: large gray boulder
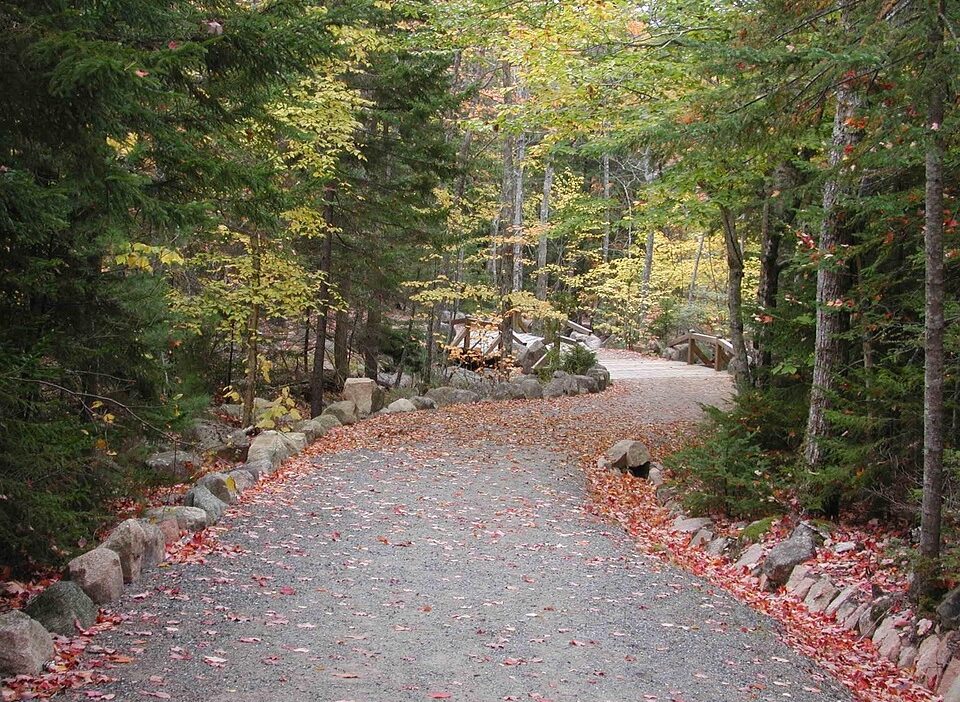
point(530, 354)
point(242, 479)
point(154, 543)
point(423, 403)
point(400, 406)
point(507, 391)
point(187, 518)
point(313, 429)
point(586, 384)
point(345, 412)
point(328, 421)
point(223, 440)
point(601, 375)
point(258, 468)
point(530, 388)
point(223, 487)
point(630, 456)
point(199, 496)
point(465, 379)
point(175, 464)
point(128, 541)
point(785, 556)
point(949, 610)
point(364, 393)
point(446, 395)
point(62, 607)
point(24, 645)
point(275, 447)
point(98, 573)
point(389, 379)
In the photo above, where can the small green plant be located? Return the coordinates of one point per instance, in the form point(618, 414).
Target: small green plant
point(730, 471)
point(758, 529)
point(578, 360)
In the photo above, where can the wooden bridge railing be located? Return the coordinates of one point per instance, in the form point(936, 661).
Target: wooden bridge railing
point(722, 349)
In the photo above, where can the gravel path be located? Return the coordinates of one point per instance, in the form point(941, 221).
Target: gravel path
point(438, 572)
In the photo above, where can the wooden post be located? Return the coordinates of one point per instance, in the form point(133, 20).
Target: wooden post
point(716, 354)
point(690, 342)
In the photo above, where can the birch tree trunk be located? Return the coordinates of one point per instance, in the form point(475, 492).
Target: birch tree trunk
point(605, 165)
point(831, 279)
point(542, 278)
point(320, 337)
point(517, 230)
point(253, 330)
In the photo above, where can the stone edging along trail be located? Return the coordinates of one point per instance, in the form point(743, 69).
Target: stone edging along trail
point(628, 501)
point(56, 625)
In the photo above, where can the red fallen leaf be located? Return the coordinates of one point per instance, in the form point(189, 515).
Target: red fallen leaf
point(287, 590)
point(346, 675)
point(440, 695)
point(249, 639)
point(159, 694)
point(214, 661)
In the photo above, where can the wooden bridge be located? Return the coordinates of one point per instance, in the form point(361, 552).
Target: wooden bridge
point(699, 346)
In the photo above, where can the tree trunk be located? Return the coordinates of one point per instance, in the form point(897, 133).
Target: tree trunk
point(341, 350)
point(341, 335)
point(544, 221)
point(517, 234)
point(428, 371)
point(831, 280)
point(649, 175)
point(770, 237)
point(734, 297)
point(696, 267)
point(371, 339)
point(605, 166)
point(253, 329)
point(927, 576)
point(320, 337)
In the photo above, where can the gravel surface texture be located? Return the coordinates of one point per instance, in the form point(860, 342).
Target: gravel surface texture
point(438, 572)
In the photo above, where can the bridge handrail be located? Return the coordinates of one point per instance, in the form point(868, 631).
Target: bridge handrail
point(705, 338)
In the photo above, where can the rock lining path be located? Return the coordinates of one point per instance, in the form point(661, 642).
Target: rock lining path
point(435, 571)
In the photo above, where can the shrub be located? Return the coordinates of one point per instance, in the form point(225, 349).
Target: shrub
point(578, 360)
point(733, 469)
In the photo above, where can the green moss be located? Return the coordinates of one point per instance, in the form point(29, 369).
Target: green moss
point(756, 530)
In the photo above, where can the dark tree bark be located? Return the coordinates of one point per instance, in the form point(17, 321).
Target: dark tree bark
point(735, 297)
point(320, 337)
point(341, 337)
point(927, 575)
point(831, 279)
point(371, 339)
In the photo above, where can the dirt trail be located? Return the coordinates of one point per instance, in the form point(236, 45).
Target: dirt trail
point(452, 555)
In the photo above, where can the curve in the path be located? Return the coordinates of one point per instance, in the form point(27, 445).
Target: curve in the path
point(444, 570)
